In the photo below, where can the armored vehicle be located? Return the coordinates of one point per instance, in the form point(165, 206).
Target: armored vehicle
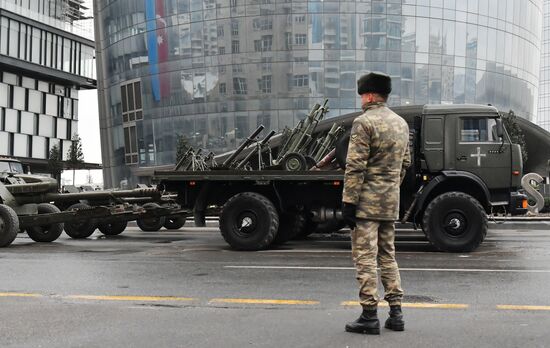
point(464, 167)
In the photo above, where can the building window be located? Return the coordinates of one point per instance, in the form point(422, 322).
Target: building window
point(130, 145)
point(266, 63)
point(132, 111)
point(288, 41)
point(233, 3)
point(300, 39)
point(264, 84)
point(300, 80)
point(262, 24)
point(223, 89)
point(300, 19)
point(221, 50)
point(239, 85)
point(264, 44)
point(234, 28)
point(220, 31)
point(235, 46)
point(237, 68)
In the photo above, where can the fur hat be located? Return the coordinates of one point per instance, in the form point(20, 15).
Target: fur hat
point(375, 82)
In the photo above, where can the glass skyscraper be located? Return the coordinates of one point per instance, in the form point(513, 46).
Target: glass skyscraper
point(543, 115)
point(44, 60)
point(213, 70)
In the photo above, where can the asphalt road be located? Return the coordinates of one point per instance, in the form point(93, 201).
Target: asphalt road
point(188, 289)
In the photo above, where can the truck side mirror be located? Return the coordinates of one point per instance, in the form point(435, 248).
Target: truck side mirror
point(500, 128)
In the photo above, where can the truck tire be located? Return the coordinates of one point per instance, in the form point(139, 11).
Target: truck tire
point(174, 222)
point(48, 233)
point(249, 221)
point(455, 222)
point(9, 225)
point(112, 228)
point(80, 229)
point(151, 224)
point(290, 225)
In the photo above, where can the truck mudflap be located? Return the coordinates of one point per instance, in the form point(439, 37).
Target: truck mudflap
point(518, 204)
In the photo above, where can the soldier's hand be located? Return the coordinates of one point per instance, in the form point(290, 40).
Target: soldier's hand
point(348, 213)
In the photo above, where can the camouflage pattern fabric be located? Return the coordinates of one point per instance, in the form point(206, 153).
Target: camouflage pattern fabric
point(378, 156)
point(369, 240)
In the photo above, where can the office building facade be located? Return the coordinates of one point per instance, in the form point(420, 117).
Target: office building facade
point(213, 70)
point(44, 61)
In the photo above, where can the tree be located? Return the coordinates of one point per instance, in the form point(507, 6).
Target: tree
point(55, 164)
point(182, 145)
point(515, 132)
point(75, 155)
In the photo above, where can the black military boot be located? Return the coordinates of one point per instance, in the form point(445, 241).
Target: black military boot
point(395, 321)
point(367, 323)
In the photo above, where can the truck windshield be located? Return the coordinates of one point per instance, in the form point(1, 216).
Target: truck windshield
point(11, 167)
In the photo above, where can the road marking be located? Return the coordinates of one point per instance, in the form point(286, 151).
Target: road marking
point(524, 308)
point(263, 301)
point(18, 294)
point(415, 305)
point(463, 270)
point(129, 298)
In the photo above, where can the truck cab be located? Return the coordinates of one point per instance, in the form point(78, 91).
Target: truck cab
point(465, 166)
point(470, 141)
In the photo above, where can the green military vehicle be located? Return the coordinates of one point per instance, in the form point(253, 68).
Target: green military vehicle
point(464, 168)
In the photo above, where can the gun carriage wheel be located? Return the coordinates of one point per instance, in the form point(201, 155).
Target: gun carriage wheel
point(9, 225)
point(174, 222)
point(46, 233)
point(80, 229)
point(151, 224)
point(113, 228)
point(293, 162)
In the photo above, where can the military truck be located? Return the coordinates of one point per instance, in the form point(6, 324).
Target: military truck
point(464, 168)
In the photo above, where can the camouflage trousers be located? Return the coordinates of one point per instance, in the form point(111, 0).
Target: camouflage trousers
point(372, 241)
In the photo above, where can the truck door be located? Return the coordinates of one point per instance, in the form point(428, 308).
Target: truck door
point(433, 133)
point(480, 151)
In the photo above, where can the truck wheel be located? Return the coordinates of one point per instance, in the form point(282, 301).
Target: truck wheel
point(174, 222)
point(249, 221)
point(152, 224)
point(48, 233)
point(9, 225)
point(290, 225)
point(80, 229)
point(455, 222)
point(112, 228)
point(293, 162)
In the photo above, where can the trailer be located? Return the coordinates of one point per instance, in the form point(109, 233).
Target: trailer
point(32, 204)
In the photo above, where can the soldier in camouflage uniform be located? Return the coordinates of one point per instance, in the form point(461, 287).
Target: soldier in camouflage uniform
point(378, 156)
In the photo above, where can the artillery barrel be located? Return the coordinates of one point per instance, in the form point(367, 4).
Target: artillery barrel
point(247, 142)
point(251, 153)
point(90, 195)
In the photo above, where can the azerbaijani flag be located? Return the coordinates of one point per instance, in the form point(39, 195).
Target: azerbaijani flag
point(157, 45)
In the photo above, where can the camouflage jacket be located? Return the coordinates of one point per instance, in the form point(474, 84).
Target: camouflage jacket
point(378, 156)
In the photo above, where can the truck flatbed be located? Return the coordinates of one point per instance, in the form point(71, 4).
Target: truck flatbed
point(244, 175)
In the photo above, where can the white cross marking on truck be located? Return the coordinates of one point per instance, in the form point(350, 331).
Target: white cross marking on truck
point(478, 155)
